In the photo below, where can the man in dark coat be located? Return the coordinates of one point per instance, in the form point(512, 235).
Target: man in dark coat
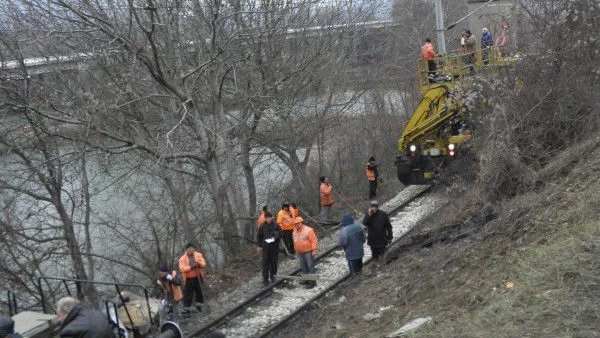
point(7, 328)
point(269, 234)
point(352, 239)
point(78, 321)
point(379, 230)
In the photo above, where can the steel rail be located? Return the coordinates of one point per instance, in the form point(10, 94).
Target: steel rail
point(232, 313)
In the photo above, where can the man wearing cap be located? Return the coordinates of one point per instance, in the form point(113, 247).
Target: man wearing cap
point(267, 239)
point(305, 244)
point(192, 265)
point(379, 230)
point(486, 42)
point(286, 223)
point(7, 328)
point(170, 284)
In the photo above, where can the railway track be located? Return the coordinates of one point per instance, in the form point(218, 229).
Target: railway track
point(267, 309)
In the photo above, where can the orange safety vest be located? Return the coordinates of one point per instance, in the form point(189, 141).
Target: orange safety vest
point(325, 194)
point(186, 269)
point(261, 219)
point(174, 289)
point(305, 240)
point(370, 174)
point(294, 212)
point(285, 220)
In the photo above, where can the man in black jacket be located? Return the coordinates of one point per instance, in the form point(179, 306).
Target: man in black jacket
point(379, 230)
point(80, 322)
point(7, 328)
point(267, 239)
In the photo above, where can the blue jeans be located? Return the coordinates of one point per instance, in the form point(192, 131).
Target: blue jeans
point(307, 262)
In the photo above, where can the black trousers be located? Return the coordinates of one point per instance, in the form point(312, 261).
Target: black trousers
point(372, 189)
point(432, 67)
point(377, 251)
point(270, 254)
point(192, 287)
point(355, 266)
point(287, 236)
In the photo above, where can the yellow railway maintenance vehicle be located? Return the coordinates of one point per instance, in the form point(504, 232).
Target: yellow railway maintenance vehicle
point(437, 131)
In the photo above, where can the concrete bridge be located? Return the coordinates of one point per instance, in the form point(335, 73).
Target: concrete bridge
point(372, 33)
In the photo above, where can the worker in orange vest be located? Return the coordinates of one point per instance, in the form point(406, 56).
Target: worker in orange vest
point(192, 265)
point(294, 210)
point(428, 54)
point(170, 284)
point(261, 217)
point(325, 194)
point(305, 243)
point(372, 177)
point(286, 223)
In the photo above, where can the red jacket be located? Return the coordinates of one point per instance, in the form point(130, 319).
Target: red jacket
point(427, 51)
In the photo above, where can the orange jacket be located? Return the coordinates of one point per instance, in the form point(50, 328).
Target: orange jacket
point(305, 240)
point(261, 219)
point(187, 271)
point(371, 173)
point(294, 212)
point(427, 51)
point(173, 289)
point(285, 220)
point(325, 193)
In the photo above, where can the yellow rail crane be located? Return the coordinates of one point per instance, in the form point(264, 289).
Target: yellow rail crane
point(437, 131)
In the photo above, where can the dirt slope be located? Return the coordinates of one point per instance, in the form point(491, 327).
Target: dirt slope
point(533, 270)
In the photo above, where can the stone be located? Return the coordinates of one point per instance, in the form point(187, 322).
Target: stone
point(410, 327)
point(370, 316)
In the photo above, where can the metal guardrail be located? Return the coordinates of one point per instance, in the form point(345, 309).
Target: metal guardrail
point(11, 299)
point(457, 65)
point(78, 282)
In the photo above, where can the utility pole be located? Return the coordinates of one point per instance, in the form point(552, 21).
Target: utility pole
point(439, 20)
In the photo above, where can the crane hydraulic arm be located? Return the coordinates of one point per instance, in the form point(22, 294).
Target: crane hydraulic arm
point(431, 112)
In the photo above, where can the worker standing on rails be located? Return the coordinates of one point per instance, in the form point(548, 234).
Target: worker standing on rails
point(192, 265)
point(428, 54)
point(305, 243)
point(372, 177)
point(286, 223)
point(170, 284)
point(326, 197)
point(261, 217)
point(379, 230)
point(7, 328)
point(269, 234)
point(352, 239)
point(78, 321)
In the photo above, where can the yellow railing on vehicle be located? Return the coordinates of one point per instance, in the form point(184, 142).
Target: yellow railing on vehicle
point(456, 65)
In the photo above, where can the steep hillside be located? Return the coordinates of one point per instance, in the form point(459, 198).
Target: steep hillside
point(525, 267)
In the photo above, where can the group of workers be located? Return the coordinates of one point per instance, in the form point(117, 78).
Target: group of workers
point(182, 294)
point(182, 290)
point(468, 47)
point(299, 238)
